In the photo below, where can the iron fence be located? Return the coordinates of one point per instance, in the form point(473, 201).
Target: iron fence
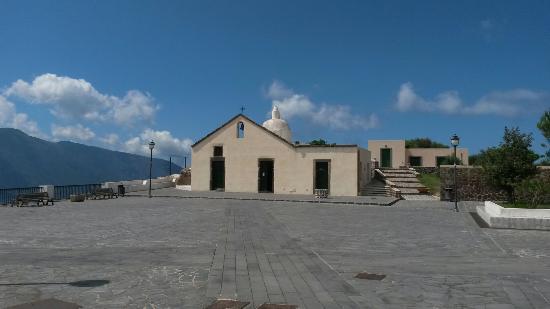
point(64, 192)
point(9, 195)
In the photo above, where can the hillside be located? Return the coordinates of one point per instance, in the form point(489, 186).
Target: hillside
point(29, 161)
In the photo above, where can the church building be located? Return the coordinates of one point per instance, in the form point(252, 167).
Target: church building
point(243, 156)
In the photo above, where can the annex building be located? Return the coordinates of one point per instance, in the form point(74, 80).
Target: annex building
point(394, 154)
point(243, 156)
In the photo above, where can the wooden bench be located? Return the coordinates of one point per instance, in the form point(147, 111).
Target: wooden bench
point(38, 197)
point(103, 193)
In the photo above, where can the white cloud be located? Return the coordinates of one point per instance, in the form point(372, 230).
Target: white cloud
point(165, 144)
point(110, 139)
point(135, 106)
point(295, 105)
point(72, 133)
point(501, 103)
point(510, 103)
point(10, 118)
point(278, 90)
point(71, 98)
point(339, 117)
point(407, 99)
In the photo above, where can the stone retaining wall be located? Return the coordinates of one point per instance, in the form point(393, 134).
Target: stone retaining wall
point(472, 185)
point(427, 169)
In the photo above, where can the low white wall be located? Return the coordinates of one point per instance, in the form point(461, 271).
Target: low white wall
point(496, 210)
point(143, 185)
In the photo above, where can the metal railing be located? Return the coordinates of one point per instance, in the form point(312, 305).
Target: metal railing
point(64, 192)
point(9, 195)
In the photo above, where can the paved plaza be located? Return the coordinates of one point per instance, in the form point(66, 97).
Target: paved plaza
point(174, 252)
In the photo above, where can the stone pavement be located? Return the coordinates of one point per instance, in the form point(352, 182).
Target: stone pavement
point(419, 197)
point(184, 253)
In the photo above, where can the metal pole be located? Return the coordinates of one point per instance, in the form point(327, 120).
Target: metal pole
point(150, 172)
point(455, 190)
point(185, 163)
point(170, 168)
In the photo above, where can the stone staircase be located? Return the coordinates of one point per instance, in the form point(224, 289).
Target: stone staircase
point(402, 179)
point(375, 188)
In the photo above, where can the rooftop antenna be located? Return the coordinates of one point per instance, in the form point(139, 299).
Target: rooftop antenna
point(242, 109)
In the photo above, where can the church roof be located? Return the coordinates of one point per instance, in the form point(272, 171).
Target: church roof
point(231, 120)
point(266, 130)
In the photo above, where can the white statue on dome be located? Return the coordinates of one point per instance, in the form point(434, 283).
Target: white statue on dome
point(278, 125)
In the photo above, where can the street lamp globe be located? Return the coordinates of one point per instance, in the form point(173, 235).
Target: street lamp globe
point(455, 140)
point(151, 145)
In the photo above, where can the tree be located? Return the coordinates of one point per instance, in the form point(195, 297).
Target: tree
point(544, 127)
point(512, 162)
point(318, 142)
point(474, 159)
point(423, 143)
point(449, 160)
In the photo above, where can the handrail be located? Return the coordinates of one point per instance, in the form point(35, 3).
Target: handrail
point(8, 195)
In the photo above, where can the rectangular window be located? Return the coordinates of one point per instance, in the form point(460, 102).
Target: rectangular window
point(415, 161)
point(218, 151)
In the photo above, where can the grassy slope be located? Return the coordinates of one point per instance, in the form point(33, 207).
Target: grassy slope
point(523, 205)
point(431, 181)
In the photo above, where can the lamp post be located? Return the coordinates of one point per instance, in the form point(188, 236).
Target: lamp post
point(151, 146)
point(455, 140)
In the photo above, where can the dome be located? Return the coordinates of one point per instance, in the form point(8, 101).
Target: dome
point(278, 125)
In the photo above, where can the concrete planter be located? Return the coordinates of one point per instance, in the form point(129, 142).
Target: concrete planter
point(499, 211)
point(497, 216)
point(78, 197)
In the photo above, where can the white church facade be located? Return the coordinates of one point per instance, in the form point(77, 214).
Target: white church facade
point(243, 156)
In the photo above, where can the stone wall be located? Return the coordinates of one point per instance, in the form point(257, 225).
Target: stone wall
point(185, 178)
point(426, 169)
point(471, 184)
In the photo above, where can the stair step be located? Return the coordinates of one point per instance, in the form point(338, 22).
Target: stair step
point(401, 179)
point(409, 191)
point(409, 185)
point(401, 175)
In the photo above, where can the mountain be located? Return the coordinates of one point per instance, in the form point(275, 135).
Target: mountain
point(30, 161)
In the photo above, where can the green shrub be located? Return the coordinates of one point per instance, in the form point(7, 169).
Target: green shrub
point(448, 160)
point(532, 191)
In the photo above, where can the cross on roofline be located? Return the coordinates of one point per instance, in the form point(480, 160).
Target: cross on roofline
point(242, 109)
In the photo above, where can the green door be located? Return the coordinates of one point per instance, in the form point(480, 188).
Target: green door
point(385, 157)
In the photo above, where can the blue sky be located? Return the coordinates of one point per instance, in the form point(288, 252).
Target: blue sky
point(116, 73)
